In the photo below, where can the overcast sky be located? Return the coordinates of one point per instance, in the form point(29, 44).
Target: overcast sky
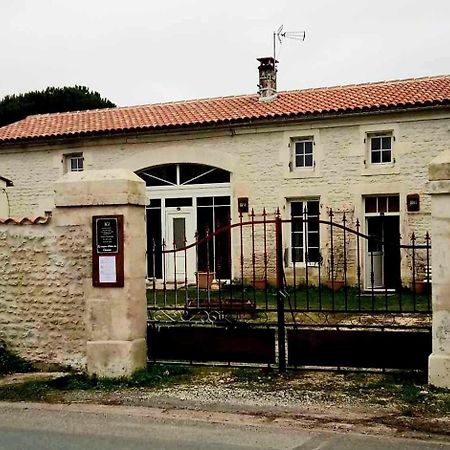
point(146, 51)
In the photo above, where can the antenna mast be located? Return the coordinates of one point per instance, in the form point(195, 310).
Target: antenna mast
point(280, 35)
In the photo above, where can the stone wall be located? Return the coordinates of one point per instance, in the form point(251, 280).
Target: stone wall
point(42, 271)
point(50, 311)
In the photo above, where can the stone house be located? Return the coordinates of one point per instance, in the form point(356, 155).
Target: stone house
point(359, 149)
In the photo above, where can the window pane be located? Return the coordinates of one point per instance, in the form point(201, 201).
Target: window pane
point(375, 143)
point(297, 255)
point(376, 157)
point(179, 231)
point(313, 240)
point(386, 142)
point(204, 222)
point(175, 202)
point(393, 203)
point(222, 201)
point(300, 161)
point(297, 208)
point(222, 243)
point(160, 176)
point(204, 201)
point(371, 205)
point(155, 203)
point(297, 240)
point(313, 255)
point(313, 208)
point(382, 204)
point(80, 163)
point(386, 156)
point(308, 147)
point(297, 224)
point(154, 235)
point(308, 161)
point(202, 174)
point(300, 148)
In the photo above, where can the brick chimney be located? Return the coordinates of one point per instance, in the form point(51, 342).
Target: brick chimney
point(267, 79)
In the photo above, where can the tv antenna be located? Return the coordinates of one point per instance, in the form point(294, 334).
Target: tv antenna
point(280, 35)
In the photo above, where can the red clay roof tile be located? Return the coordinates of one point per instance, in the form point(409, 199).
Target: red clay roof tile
point(340, 99)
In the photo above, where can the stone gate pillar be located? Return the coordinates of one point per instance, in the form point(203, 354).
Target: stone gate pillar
point(115, 317)
point(439, 188)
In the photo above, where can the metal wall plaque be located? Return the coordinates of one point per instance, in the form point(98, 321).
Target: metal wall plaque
point(243, 204)
point(413, 202)
point(106, 234)
point(107, 251)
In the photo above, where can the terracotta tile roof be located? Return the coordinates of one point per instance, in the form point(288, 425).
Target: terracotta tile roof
point(418, 92)
point(39, 220)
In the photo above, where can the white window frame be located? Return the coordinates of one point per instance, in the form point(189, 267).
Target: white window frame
point(290, 232)
point(302, 141)
point(69, 158)
point(381, 150)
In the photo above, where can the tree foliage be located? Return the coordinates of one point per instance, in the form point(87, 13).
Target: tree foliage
point(50, 100)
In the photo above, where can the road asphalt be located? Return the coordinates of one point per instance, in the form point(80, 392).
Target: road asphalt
point(65, 427)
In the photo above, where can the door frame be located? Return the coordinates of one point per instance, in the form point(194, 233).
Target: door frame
point(366, 255)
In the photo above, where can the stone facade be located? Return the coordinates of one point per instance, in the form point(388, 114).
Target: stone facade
point(259, 160)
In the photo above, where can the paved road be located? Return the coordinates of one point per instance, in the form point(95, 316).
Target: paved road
point(67, 427)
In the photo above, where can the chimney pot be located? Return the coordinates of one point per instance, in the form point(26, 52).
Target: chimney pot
point(267, 79)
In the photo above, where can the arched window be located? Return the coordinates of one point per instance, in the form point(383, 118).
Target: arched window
point(183, 174)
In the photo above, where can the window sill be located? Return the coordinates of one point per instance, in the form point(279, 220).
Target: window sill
point(382, 169)
point(302, 173)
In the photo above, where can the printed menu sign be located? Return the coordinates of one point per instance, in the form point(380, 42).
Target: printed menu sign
point(106, 235)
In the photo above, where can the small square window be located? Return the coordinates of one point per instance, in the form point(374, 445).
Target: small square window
point(303, 153)
point(380, 149)
point(74, 162)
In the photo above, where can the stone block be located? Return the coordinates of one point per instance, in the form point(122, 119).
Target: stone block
point(115, 359)
point(439, 370)
point(100, 187)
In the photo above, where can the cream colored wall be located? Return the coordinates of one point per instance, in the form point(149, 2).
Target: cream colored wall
point(258, 158)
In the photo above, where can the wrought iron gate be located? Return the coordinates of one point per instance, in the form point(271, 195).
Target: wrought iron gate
point(290, 302)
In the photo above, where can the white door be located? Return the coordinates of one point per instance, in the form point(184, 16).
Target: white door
point(180, 230)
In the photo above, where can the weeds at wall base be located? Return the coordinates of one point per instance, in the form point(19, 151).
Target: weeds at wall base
point(11, 363)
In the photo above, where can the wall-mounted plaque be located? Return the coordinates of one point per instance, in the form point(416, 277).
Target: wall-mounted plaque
point(106, 234)
point(243, 204)
point(107, 251)
point(413, 202)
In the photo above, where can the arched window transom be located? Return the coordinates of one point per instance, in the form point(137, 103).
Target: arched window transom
point(183, 174)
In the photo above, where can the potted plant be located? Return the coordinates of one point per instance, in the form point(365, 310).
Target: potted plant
point(422, 275)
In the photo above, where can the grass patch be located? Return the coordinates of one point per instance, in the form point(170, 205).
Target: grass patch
point(316, 298)
point(153, 376)
point(11, 363)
